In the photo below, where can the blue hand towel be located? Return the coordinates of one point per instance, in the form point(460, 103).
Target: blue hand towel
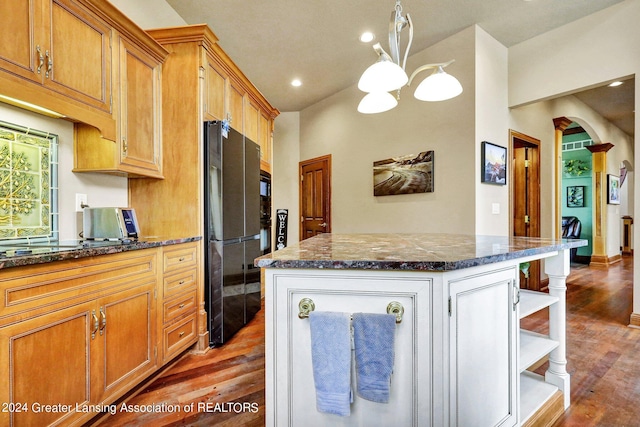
point(374, 336)
point(331, 359)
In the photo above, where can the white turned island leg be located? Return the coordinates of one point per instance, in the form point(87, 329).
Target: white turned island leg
point(557, 268)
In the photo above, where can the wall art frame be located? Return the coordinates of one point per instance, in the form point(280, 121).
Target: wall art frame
point(613, 189)
point(408, 174)
point(575, 196)
point(493, 167)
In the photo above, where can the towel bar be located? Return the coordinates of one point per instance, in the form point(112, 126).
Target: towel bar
point(306, 306)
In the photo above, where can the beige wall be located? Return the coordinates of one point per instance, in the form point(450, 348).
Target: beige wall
point(355, 141)
point(285, 172)
point(586, 53)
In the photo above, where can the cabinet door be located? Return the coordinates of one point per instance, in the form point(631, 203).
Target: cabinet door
point(483, 348)
point(19, 52)
point(127, 330)
point(46, 361)
point(215, 92)
point(236, 107)
point(264, 138)
point(251, 114)
point(290, 368)
point(78, 56)
point(140, 104)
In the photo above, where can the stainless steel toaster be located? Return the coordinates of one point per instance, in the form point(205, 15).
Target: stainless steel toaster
point(110, 223)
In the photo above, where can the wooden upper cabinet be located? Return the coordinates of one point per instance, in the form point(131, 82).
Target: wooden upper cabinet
point(264, 138)
point(251, 120)
point(139, 111)
point(215, 92)
point(77, 59)
point(236, 106)
point(62, 46)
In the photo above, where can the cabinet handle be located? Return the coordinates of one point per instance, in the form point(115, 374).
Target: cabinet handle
point(40, 59)
point(181, 334)
point(103, 320)
point(181, 259)
point(181, 282)
point(49, 63)
point(125, 146)
point(181, 305)
point(96, 324)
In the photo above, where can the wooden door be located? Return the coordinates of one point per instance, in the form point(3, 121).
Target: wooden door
point(525, 167)
point(315, 197)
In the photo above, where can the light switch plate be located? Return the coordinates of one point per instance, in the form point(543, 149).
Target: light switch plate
point(495, 208)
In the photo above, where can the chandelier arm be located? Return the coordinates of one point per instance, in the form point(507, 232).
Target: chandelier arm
point(406, 52)
point(426, 67)
point(394, 37)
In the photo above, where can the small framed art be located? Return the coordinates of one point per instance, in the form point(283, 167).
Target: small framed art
point(613, 189)
point(494, 164)
point(575, 196)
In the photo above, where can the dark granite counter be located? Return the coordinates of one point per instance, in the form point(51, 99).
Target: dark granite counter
point(60, 251)
point(424, 252)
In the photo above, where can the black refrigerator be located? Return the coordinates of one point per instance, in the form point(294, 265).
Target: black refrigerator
point(232, 230)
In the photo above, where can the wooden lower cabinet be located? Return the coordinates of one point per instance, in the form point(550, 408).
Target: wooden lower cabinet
point(61, 365)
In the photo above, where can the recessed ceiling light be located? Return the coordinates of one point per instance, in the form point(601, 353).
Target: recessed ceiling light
point(367, 37)
point(614, 84)
point(296, 82)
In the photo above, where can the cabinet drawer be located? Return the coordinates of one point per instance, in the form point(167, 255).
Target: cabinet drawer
point(179, 306)
point(179, 336)
point(180, 257)
point(179, 282)
point(32, 290)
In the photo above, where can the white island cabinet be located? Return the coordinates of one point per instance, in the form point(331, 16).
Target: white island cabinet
point(460, 357)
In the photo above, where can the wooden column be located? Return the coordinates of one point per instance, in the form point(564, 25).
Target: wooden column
point(557, 268)
point(599, 256)
point(560, 124)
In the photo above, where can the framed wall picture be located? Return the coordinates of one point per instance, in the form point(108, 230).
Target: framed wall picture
point(404, 175)
point(494, 164)
point(575, 196)
point(613, 189)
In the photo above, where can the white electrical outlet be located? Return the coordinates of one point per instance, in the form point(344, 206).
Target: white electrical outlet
point(81, 201)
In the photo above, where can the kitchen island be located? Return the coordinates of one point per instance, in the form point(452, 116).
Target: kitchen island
point(460, 357)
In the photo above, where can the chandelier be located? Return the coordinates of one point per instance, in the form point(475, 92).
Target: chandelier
point(388, 74)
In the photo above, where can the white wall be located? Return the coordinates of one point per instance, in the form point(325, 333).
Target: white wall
point(102, 190)
point(284, 178)
point(492, 121)
point(149, 14)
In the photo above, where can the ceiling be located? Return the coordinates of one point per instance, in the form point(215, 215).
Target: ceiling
point(316, 41)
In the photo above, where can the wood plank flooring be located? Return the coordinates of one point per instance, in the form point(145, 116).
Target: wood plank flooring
point(603, 359)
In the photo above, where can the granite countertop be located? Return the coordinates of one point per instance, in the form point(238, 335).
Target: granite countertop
point(425, 252)
point(74, 249)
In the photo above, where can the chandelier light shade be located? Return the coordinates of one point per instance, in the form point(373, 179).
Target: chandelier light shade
point(377, 102)
point(385, 75)
point(439, 86)
point(388, 74)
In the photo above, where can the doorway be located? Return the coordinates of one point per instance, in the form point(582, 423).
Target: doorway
point(525, 196)
point(315, 196)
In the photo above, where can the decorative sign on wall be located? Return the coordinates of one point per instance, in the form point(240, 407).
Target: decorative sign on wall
point(28, 183)
point(404, 175)
point(281, 228)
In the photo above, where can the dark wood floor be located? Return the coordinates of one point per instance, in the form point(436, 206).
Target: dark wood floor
point(603, 360)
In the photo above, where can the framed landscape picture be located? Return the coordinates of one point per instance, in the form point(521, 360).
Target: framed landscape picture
point(404, 175)
point(494, 164)
point(575, 196)
point(613, 189)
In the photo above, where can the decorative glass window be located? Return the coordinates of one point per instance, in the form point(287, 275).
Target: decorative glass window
point(28, 184)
